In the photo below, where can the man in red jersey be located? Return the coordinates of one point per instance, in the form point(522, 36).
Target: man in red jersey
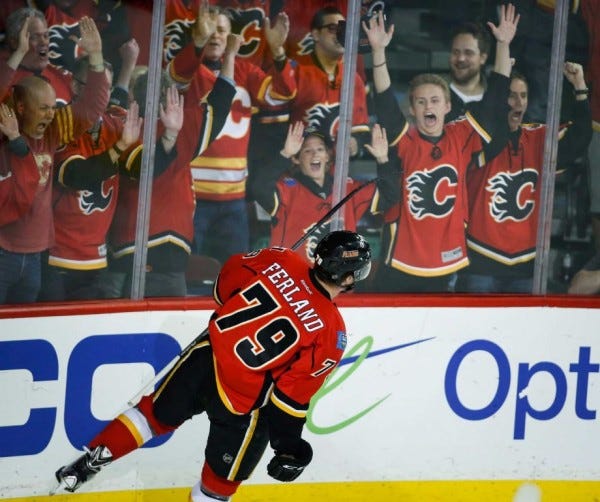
point(85, 192)
point(504, 195)
point(43, 129)
point(317, 102)
point(36, 61)
point(220, 172)
point(274, 338)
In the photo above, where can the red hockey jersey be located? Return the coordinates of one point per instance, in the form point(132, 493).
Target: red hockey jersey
point(297, 208)
point(34, 232)
point(82, 217)
point(504, 196)
point(277, 334)
point(428, 238)
point(63, 29)
point(317, 102)
point(220, 172)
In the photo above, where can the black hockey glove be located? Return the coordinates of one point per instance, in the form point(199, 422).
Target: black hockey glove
point(287, 466)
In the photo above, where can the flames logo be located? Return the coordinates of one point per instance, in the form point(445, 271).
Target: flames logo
point(312, 241)
point(324, 118)
point(62, 49)
point(176, 37)
point(248, 23)
point(509, 200)
point(432, 193)
point(306, 46)
point(95, 200)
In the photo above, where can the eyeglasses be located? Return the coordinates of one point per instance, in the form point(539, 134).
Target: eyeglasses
point(331, 27)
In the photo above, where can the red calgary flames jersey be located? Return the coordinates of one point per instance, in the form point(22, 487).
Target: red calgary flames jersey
point(276, 335)
point(428, 238)
point(504, 200)
point(297, 209)
point(317, 102)
point(82, 217)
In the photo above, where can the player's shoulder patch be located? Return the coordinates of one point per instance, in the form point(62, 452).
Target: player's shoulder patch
point(342, 340)
point(289, 181)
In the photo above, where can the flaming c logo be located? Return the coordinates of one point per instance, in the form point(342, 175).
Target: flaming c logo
point(512, 195)
point(432, 193)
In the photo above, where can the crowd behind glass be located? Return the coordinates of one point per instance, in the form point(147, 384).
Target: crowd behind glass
point(449, 106)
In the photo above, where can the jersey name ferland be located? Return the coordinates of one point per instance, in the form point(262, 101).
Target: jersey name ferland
point(289, 290)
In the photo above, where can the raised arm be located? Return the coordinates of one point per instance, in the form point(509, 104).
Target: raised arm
point(94, 98)
point(81, 173)
point(171, 116)
point(379, 39)
point(267, 176)
point(9, 66)
point(504, 34)
point(387, 109)
point(578, 135)
point(277, 35)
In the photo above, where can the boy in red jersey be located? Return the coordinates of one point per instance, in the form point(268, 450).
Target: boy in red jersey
point(427, 243)
point(271, 343)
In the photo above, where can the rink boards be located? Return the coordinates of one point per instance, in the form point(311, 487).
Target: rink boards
point(438, 399)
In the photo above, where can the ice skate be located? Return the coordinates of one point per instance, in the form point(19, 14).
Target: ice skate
point(73, 475)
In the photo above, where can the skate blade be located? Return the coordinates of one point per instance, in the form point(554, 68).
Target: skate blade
point(55, 488)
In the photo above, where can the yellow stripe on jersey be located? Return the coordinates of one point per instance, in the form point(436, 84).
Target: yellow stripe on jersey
point(222, 394)
point(286, 408)
point(125, 420)
point(523, 258)
point(402, 133)
point(94, 264)
point(477, 126)
point(430, 272)
point(61, 172)
point(393, 228)
point(226, 162)
point(64, 119)
point(219, 187)
point(207, 129)
point(131, 158)
point(254, 414)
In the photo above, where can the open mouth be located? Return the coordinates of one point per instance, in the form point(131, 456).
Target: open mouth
point(315, 165)
point(516, 115)
point(430, 119)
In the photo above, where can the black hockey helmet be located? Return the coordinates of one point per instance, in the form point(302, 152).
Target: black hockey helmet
point(341, 253)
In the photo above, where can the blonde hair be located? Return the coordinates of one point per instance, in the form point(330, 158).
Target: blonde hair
point(428, 78)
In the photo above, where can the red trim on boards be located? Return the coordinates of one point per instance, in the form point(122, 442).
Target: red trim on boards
point(350, 300)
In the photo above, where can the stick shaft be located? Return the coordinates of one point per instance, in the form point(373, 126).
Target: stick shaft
point(329, 213)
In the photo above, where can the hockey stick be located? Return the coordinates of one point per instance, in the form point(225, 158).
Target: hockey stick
point(162, 373)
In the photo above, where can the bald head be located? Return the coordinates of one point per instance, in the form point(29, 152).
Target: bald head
point(35, 102)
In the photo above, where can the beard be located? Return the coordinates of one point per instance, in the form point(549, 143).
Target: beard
point(464, 75)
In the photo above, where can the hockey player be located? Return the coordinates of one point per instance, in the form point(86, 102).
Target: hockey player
point(427, 242)
point(272, 341)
